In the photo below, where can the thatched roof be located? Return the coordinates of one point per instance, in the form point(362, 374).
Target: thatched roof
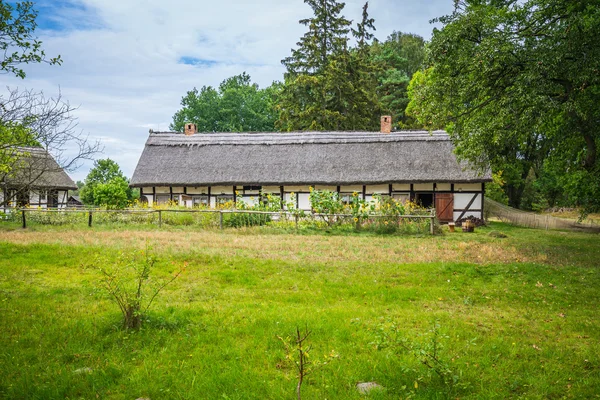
point(339, 158)
point(36, 168)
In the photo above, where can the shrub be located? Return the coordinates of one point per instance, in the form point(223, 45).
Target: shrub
point(130, 284)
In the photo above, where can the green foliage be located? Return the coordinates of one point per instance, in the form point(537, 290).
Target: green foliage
point(516, 85)
point(12, 136)
point(238, 105)
point(297, 353)
point(17, 40)
point(106, 186)
point(397, 60)
point(426, 348)
point(327, 85)
point(131, 283)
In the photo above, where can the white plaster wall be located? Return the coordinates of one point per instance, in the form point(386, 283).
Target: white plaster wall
point(162, 190)
point(304, 201)
point(351, 189)
point(216, 190)
point(475, 187)
point(62, 198)
point(213, 202)
point(197, 190)
point(147, 190)
point(443, 186)
point(423, 187)
point(178, 189)
point(401, 187)
point(475, 214)
point(371, 189)
point(325, 187)
point(34, 197)
point(251, 200)
point(287, 197)
point(461, 200)
point(297, 189)
point(402, 197)
point(271, 189)
point(150, 199)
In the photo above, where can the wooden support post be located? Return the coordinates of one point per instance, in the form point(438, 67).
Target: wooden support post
point(296, 217)
point(90, 219)
point(221, 220)
point(431, 221)
point(159, 218)
point(24, 219)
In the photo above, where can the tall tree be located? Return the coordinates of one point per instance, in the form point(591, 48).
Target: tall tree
point(326, 84)
point(17, 39)
point(397, 59)
point(517, 84)
point(327, 36)
point(237, 105)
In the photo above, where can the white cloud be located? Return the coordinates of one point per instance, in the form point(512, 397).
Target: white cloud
point(121, 57)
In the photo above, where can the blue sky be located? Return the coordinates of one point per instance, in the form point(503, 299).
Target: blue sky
point(127, 63)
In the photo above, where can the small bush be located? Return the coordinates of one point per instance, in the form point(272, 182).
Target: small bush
point(130, 283)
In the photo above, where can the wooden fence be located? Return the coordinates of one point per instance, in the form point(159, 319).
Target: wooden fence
point(532, 220)
point(296, 217)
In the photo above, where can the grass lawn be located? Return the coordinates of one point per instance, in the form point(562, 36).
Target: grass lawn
point(517, 316)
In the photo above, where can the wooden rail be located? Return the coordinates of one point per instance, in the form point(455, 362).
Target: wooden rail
point(296, 215)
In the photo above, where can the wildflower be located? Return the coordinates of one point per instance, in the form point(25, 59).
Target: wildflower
point(386, 222)
point(355, 219)
point(355, 194)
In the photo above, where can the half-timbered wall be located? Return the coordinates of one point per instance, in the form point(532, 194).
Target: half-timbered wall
point(467, 197)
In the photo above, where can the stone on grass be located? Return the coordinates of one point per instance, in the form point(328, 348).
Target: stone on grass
point(367, 387)
point(85, 370)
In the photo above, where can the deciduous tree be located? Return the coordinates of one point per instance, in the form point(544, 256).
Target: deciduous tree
point(106, 186)
point(238, 105)
point(517, 84)
point(18, 43)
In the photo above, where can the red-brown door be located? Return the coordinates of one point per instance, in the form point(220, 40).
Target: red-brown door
point(444, 206)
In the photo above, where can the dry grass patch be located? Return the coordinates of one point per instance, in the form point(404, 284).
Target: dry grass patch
point(291, 247)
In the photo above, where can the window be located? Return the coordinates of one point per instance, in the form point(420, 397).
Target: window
point(401, 197)
point(346, 198)
point(162, 198)
point(224, 198)
point(43, 195)
point(255, 188)
point(200, 201)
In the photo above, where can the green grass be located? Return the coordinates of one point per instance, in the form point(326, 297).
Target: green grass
point(520, 314)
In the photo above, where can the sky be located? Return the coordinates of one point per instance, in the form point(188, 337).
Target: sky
point(127, 63)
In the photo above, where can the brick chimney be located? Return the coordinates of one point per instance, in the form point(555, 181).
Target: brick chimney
point(386, 124)
point(190, 129)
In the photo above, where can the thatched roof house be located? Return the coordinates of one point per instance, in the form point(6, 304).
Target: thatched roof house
point(35, 179)
point(177, 166)
point(308, 158)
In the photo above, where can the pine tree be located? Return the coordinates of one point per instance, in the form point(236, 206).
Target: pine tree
point(327, 35)
point(329, 86)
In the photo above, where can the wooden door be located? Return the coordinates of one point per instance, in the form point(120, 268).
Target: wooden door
point(444, 207)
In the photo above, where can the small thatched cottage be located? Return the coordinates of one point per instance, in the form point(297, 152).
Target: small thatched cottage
point(207, 169)
point(36, 180)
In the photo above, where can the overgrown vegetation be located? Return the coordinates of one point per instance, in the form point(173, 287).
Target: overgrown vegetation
point(530, 301)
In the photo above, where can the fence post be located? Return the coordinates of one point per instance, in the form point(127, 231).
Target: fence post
point(24, 219)
point(431, 221)
point(296, 218)
point(159, 218)
point(221, 219)
point(90, 219)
